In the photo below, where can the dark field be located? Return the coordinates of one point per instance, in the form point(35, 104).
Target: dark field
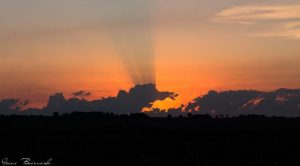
point(95, 139)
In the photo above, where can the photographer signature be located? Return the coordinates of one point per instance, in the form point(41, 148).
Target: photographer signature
point(25, 161)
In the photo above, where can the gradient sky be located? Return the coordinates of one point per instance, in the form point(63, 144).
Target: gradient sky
point(196, 45)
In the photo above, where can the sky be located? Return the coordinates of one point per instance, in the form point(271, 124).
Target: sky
point(188, 47)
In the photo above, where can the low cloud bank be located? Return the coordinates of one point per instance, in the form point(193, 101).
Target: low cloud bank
point(282, 102)
point(12, 106)
point(133, 101)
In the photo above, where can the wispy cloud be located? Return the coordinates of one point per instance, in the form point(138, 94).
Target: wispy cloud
point(290, 30)
point(253, 14)
point(284, 21)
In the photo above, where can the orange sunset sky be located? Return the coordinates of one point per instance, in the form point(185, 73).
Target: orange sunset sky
point(192, 46)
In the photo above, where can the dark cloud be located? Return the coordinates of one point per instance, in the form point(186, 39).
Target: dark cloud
point(12, 106)
point(81, 94)
point(58, 103)
point(282, 102)
point(133, 101)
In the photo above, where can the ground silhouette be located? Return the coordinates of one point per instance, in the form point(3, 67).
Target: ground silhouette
point(109, 139)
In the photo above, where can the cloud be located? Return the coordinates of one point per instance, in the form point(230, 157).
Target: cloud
point(284, 21)
point(81, 94)
point(12, 106)
point(253, 14)
point(282, 102)
point(133, 101)
point(289, 30)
